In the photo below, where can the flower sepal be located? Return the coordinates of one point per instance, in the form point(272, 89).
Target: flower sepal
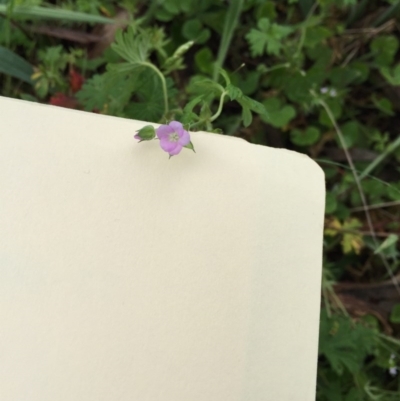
point(147, 133)
point(190, 146)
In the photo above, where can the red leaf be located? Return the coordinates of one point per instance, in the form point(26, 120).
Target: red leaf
point(59, 99)
point(76, 80)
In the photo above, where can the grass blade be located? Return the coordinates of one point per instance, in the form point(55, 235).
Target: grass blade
point(356, 12)
point(14, 65)
point(390, 12)
point(35, 12)
point(231, 20)
point(393, 146)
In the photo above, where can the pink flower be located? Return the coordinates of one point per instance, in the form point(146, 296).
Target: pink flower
point(173, 137)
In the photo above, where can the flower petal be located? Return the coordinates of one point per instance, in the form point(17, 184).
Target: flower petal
point(167, 145)
point(175, 125)
point(164, 130)
point(184, 137)
point(177, 149)
point(137, 136)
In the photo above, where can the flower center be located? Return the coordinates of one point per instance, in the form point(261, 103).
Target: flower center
point(174, 137)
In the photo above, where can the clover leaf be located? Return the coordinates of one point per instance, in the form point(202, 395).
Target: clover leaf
point(277, 114)
point(305, 137)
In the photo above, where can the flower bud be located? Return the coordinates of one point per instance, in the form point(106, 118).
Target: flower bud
point(146, 133)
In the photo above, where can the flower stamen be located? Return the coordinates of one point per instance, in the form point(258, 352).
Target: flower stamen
point(174, 137)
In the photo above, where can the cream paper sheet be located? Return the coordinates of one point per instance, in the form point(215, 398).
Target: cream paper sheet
point(125, 276)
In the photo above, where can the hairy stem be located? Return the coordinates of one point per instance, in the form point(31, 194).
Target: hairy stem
point(220, 106)
point(214, 116)
point(163, 84)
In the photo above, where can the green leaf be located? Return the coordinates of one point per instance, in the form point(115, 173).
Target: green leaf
point(194, 30)
point(389, 241)
point(205, 111)
point(188, 118)
point(247, 83)
point(252, 104)
point(306, 137)
point(265, 10)
point(163, 15)
point(148, 92)
point(315, 35)
point(345, 344)
point(15, 66)
point(213, 20)
point(233, 92)
point(225, 76)
point(351, 241)
point(36, 12)
point(28, 97)
point(204, 60)
point(384, 49)
point(258, 39)
point(392, 76)
point(172, 6)
point(361, 70)
point(351, 133)
point(201, 85)
point(296, 85)
point(330, 203)
point(393, 191)
point(343, 76)
point(335, 107)
point(246, 116)
point(277, 114)
point(383, 104)
point(249, 104)
point(134, 45)
point(268, 37)
point(108, 93)
point(395, 314)
point(189, 107)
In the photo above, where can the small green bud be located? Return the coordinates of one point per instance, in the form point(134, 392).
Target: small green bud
point(146, 133)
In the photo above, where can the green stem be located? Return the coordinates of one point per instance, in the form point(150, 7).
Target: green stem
point(163, 84)
point(301, 42)
point(220, 106)
point(310, 13)
point(276, 67)
point(391, 148)
point(231, 20)
point(214, 116)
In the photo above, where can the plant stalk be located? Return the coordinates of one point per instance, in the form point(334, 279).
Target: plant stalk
point(163, 84)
